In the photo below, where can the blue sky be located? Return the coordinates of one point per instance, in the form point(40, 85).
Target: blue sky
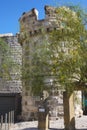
point(11, 11)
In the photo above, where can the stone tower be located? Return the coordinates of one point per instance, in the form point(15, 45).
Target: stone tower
point(30, 34)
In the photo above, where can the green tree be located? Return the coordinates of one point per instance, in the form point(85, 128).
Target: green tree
point(68, 48)
point(62, 55)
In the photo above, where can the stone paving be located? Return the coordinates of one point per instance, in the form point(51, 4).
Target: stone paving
point(81, 124)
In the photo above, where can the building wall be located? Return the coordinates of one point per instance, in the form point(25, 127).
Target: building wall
point(12, 88)
point(13, 85)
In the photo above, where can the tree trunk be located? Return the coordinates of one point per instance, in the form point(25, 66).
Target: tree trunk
point(69, 113)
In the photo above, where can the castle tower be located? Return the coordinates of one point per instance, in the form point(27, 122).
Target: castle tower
point(30, 34)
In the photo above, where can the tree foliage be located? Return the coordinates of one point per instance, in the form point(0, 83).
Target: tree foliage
point(62, 56)
point(68, 47)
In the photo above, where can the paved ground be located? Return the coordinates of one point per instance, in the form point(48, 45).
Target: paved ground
point(81, 124)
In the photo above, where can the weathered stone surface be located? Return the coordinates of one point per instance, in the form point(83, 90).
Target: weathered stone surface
point(14, 85)
point(30, 34)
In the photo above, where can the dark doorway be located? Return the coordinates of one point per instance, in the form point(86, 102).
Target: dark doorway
point(10, 102)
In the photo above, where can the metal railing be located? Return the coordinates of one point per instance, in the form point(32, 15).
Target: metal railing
point(7, 120)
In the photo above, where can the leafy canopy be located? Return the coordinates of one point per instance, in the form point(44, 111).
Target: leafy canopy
point(62, 54)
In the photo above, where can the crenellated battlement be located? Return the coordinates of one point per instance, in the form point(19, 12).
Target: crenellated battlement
point(29, 21)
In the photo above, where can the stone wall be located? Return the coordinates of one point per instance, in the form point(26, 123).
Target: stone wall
point(14, 85)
